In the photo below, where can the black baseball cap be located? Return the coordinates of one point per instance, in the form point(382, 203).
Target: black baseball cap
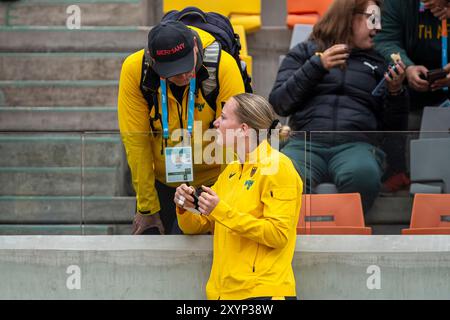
point(171, 45)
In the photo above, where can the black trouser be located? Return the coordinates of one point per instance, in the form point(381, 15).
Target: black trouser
point(168, 210)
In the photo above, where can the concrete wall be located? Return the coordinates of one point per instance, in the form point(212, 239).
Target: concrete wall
point(177, 267)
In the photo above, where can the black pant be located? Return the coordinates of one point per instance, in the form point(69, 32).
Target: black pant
point(168, 210)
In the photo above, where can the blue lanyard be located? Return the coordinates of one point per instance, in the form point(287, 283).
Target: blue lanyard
point(444, 40)
point(191, 101)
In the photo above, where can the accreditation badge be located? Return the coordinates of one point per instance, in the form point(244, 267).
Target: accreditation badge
point(179, 164)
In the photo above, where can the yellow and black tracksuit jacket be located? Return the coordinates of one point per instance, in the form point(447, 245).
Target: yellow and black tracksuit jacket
point(143, 149)
point(254, 227)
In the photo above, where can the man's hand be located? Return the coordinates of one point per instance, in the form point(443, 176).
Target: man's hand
point(439, 8)
point(413, 75)
point(207, 201)
point(335, 56)
point(395, 81)
point(442, 83)
point(143, 222)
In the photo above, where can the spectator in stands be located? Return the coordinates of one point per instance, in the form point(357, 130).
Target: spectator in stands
point(416, 35)
point(326, 84)
point(252, 209)
point(175, 55)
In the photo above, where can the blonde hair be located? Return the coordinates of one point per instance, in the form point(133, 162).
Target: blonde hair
point(258, 114)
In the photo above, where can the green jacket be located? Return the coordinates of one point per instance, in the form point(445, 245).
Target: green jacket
point(399, 21)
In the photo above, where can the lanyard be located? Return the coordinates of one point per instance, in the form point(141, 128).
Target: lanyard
point(190, 106)
point(444, 40)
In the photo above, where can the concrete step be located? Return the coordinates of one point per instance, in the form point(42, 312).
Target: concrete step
point(56, 230)
point(58, 119)
point(60, 181)
point(390, 211)
point(92, 13)
point(60, 150)
point(58, 93)
point(66, 210)
point(61, 39)
point(265, 45)
point(61, 66)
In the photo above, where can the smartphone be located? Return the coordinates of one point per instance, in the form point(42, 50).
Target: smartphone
point(380, 88)
point(436, 74)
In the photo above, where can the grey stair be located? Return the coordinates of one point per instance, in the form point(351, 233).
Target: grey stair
point(390, 210)
point(93, 13)
point(58, 119)
point(69, 150)
point(58, 93)
point(68, 210)
point(59, 181)
point(3, 11)
point(61, 66)
point(42, 229)
point(388, 229)
point(61, 39)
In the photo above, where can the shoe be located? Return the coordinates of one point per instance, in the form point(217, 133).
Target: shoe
point(396, 182)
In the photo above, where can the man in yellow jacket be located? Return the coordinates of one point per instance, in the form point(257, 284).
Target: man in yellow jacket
point(176, 55)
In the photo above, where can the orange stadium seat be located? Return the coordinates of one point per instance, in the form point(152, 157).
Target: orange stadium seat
point(332, 214)
point(430, 214)
point(305, 11)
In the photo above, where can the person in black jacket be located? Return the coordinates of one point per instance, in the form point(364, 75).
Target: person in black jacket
point(326, 84)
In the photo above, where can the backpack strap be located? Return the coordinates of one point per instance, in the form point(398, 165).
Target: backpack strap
point(210, 86)
point(149, 85)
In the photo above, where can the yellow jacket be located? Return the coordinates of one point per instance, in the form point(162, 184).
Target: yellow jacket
point(254, 227)
point(142, 148)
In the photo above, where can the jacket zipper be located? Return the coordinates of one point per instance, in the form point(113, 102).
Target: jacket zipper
point(256, 255)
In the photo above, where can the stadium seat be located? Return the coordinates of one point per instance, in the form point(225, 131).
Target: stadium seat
point(430, 172)
point(300, 33)
point(332, 214)
point(430, 169)
point(246, 13)
point(430, 214)
point(435, 123)
point(305, 11)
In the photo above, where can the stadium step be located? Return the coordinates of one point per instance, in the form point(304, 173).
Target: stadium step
point(60, 150)
point(58, 119)
point(66, 210)
point(68, 66)
point(61, 39)
point(41, 229)
point(59, 181)
point(390, 210)
point(92, 12)
point(58, 93)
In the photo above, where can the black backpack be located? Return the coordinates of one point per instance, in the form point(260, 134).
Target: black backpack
point(221, 29)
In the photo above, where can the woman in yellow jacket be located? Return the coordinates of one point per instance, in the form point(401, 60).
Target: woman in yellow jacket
point(252, 209)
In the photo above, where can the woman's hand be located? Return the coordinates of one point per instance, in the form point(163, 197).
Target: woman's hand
point(396, 78)
point(207, 201)
point(183, 196)
point(334, 56)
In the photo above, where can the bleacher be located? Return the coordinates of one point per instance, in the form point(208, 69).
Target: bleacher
point(62, 165)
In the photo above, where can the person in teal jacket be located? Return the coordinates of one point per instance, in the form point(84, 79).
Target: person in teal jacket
point(416, 35)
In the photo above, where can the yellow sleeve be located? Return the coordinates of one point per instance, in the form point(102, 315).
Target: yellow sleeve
point(191, 223)
point(230, 80)
point(281, 197)
point(134, 128)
